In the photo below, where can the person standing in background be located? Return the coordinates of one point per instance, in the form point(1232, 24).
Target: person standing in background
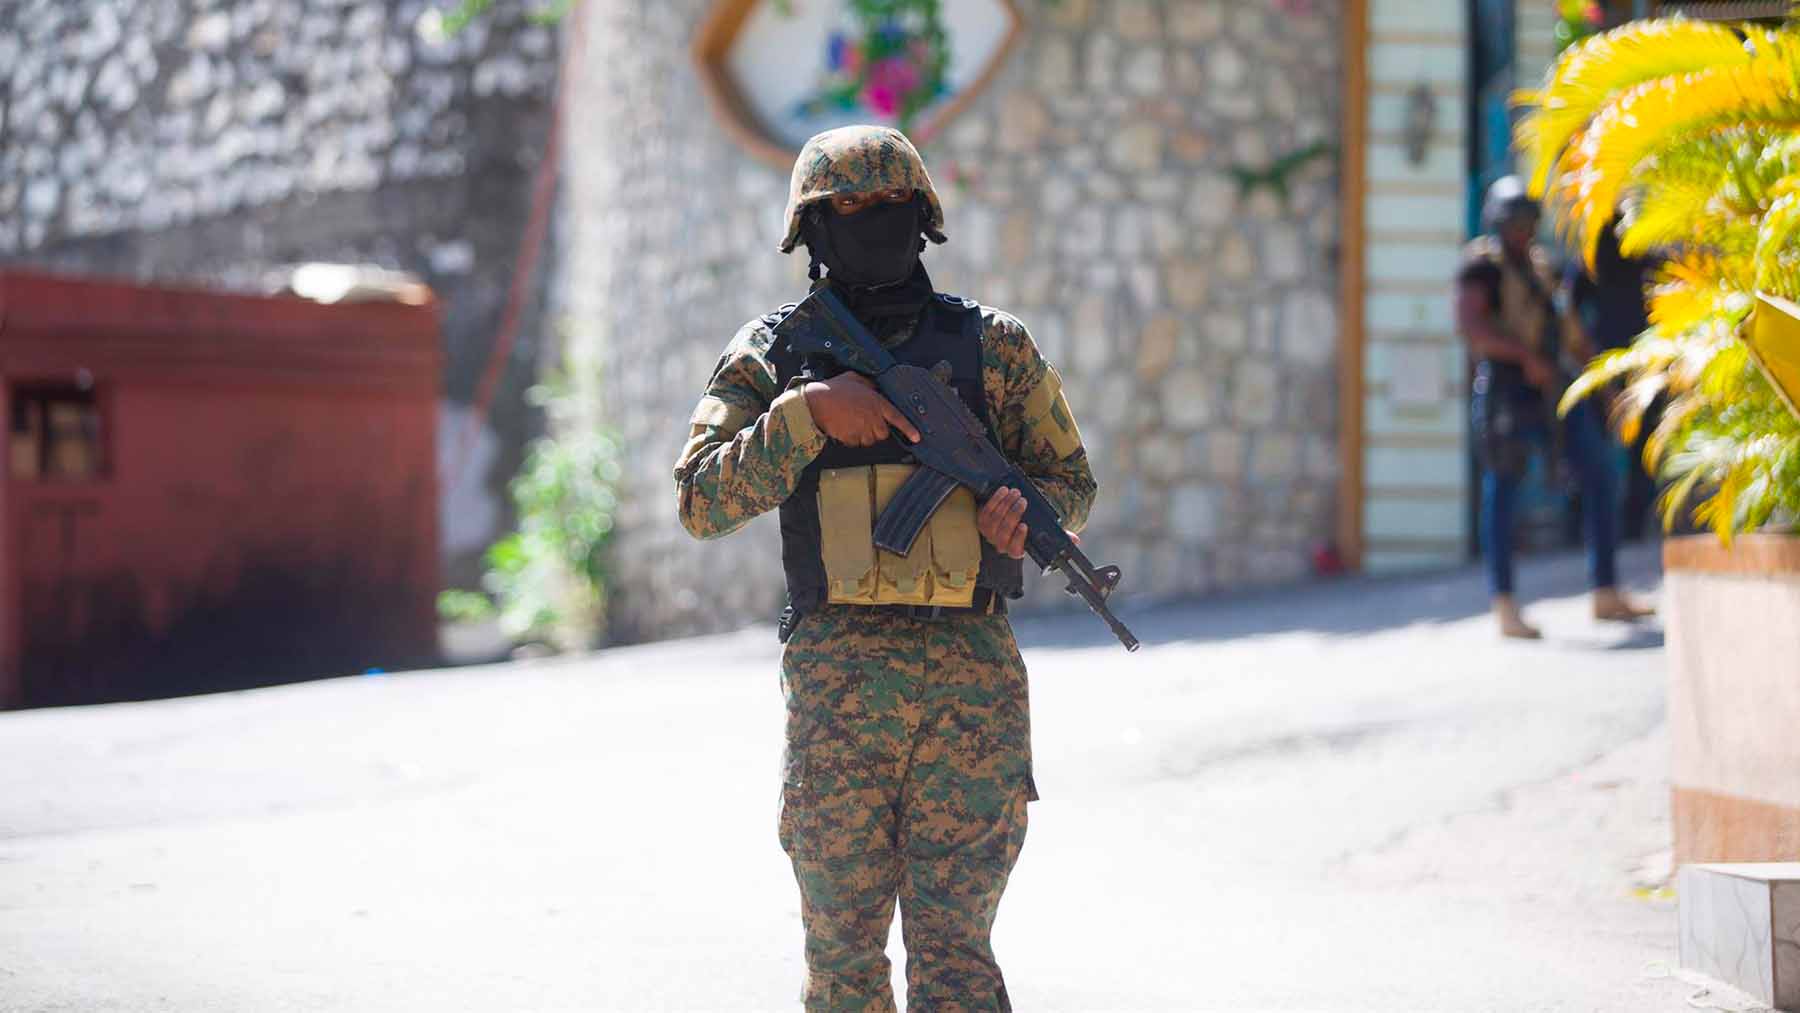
point(1609, 303)
point(1523, 346)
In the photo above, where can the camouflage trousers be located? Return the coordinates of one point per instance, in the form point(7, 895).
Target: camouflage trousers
point(907, 772)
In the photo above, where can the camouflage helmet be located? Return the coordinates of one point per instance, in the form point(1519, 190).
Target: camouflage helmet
point(858, 159)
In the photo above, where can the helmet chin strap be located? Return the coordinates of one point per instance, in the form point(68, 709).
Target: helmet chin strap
point(812, 236)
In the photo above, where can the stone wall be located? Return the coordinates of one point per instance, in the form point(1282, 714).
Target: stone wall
point(1089, 190)
point(214, 141)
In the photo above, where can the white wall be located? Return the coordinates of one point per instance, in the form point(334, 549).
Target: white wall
point(1414, 473)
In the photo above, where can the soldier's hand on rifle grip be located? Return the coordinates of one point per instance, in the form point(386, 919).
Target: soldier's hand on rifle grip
point(851, 410)
point(1001, 521)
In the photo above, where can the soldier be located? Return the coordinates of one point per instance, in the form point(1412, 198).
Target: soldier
point(1525, 348)
point(908, 759)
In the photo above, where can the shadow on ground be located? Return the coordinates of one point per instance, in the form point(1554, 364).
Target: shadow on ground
point(1340, 606)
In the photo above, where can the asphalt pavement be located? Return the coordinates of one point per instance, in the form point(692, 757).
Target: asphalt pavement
point(1345, 796)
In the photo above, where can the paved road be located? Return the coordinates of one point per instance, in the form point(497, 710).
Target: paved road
point(1348, 797)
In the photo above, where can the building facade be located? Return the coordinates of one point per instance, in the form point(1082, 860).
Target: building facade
point(1270, 384)
point(1091, 188)
point(220, 142)
point(1231, 225)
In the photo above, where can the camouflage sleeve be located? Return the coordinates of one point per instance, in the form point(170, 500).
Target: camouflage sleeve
point(1036, 428)
point(747, 442)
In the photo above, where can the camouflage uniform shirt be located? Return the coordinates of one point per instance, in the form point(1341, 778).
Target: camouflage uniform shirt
point(749, 441)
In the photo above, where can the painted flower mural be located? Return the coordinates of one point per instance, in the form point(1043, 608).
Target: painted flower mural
point(888, 57)
point(782, 70)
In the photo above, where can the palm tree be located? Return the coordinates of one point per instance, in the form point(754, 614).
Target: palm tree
point(1693, 129)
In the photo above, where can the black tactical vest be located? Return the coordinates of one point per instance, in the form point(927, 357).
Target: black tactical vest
point(948, 334)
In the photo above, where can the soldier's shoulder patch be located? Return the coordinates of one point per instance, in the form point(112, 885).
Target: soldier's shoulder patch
point(998, 322)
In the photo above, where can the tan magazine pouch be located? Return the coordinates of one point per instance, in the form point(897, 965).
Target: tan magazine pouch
point(902, 580)
point(944, 561)
point(955, 549)
point(846, 535)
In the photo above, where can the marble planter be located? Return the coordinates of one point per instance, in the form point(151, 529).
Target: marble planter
point(1734, 697)
point(1740, 923)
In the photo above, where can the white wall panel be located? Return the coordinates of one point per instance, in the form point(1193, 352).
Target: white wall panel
point(1408, 17)
point(1411, 62)
point(1403, 212)
point(1415, 466)
point(1408, 312)
point(1443, 164)
point(1413, 262)
point(1442, 519)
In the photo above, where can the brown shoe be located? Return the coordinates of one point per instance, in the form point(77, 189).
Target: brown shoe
point(1611, 606)
point(1512, 624)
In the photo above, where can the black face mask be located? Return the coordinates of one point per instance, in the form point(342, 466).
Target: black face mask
point(878, 245)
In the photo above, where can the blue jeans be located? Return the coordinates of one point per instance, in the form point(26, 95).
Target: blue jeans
point(1585, 448)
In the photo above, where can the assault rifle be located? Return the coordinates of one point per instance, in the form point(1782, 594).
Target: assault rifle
point(953, 448)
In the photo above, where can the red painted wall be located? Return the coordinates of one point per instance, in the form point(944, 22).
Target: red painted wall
point(267, 509)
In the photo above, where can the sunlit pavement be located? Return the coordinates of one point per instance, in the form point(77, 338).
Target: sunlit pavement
point(1347, 797)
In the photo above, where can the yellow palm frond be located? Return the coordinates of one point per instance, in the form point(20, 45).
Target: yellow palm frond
point(1596, 168)
point(1678, 492)
point(1700, 349)
point(1730, 467)
point(1689, 292)
point(1779, 163)
point(1631, 404)
point(1778, 247)
point(1722, 374)
point(1676, 417)
point(1591, 72)
point(1704, 140)
point(1789, 182)
point(1718, 510)
point(1603, 370)
point(1675, 207)
point(1675, 308)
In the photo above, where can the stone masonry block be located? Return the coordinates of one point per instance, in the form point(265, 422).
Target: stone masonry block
point(1196, 20)
point(1740, 923)
point(1136, 20)
point(1137, 146)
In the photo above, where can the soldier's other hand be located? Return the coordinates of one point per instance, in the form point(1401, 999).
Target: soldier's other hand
point(851, 410)
point(1002, 522)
